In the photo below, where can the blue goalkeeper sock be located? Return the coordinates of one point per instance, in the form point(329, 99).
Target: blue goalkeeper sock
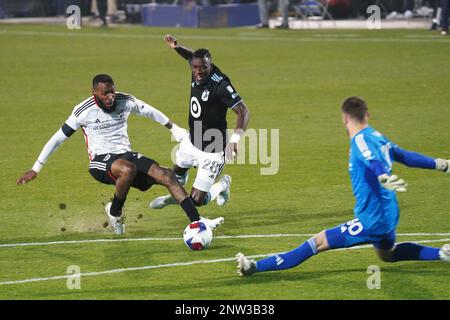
point(412, 251)
point(289, 259)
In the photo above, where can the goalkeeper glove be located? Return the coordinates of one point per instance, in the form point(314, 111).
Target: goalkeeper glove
point(392, 183)
point(443, 165)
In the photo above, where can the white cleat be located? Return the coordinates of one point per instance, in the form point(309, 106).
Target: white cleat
point(444, 253)
point(212, 223)
point(162, 202)
point(223, 197)
point(115, 222)
point(245, 266)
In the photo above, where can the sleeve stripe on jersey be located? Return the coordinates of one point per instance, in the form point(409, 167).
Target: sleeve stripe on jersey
point(83, 107)
point(362, 146)
point(85, 104)
point(216, 78)
point(124, 96)
point(234, 105)
point(67, 130)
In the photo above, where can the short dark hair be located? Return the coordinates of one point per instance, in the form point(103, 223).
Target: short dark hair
point(105, 78)
point(355, 107)
point(202, 54)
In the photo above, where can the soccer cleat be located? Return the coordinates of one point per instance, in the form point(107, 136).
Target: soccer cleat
point(223, 197)
point(245, 266)
point(162, 202)
point(444, 253)
point(115, 222)
point(212, 223)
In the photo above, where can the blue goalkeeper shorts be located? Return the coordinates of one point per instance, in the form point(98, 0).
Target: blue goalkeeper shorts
point(353, 233)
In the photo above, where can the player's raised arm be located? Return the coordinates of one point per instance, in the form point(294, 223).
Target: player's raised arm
point(243, 117)
point(172, 42)
point(55, 141)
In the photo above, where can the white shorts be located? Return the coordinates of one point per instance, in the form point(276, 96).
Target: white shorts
point(209, 165)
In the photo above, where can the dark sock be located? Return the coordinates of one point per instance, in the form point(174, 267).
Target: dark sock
point(116, 206)
point(413, 251)
point(188, 206)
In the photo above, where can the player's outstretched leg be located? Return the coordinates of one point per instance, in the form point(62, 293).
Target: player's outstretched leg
point(164, 201)
point(284, 260)
point(166, 177)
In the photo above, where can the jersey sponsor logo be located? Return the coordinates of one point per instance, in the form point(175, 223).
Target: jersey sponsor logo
point(205, 95)
point(196, 108)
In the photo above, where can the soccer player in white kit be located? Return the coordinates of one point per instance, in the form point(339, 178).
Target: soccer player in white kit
point(103, 120)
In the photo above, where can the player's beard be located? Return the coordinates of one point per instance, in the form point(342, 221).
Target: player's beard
point(102, 106)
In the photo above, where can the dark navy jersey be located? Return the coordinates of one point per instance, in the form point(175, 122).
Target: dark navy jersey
point(208, 108)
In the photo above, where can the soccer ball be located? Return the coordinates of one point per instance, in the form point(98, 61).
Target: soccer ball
point(197, 236)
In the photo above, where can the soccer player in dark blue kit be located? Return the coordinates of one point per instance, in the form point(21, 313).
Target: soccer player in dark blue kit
point(376, 209)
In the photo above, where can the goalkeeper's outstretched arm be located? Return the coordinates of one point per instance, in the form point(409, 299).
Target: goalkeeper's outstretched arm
point(417, 160)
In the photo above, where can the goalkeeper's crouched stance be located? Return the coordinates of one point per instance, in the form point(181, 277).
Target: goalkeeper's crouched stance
point(376, 208)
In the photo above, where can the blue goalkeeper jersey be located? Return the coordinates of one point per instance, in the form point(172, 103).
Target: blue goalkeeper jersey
point(376, 207)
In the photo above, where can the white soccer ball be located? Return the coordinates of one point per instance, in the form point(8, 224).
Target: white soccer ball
point(197, 236)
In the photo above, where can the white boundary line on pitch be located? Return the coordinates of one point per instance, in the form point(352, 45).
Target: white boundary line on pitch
point(176, 264)
point(223, 38)
point(27, 244)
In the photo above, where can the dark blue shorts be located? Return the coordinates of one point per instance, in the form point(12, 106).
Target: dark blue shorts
point(353, 233)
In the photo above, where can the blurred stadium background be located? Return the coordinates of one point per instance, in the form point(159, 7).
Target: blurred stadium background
point(227, 13)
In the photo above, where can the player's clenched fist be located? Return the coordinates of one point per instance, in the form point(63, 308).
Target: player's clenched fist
point(171, 41)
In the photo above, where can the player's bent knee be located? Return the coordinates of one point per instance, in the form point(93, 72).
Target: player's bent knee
point(128, 170)
point(385, 255)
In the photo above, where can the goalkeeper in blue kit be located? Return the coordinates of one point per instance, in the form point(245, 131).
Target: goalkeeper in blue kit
point(376, 208)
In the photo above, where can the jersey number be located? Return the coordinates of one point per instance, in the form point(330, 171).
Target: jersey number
point(196, 108)
point(212, 166)
point(354, 227)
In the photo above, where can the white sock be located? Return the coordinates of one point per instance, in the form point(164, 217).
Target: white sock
point(216, 189)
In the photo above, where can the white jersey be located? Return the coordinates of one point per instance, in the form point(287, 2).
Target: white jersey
point(107, 132)
point(103, 132)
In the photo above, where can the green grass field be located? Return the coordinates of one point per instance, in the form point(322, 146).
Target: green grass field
point(293, 81)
